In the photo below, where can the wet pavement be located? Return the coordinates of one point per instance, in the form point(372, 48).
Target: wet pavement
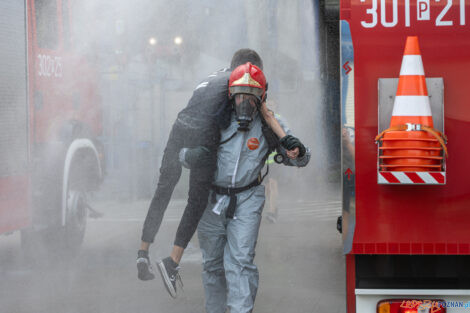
point(299, 258)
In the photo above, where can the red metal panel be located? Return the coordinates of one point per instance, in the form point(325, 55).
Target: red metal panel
point(415, 178)
point(422, 218)
point(464, 249)
point(67, 83)
point(440, 179)
point(389, 177)
point(382, 248)
point(416, 248)
point(350, 283)
point(428, 248)
point(14, 203)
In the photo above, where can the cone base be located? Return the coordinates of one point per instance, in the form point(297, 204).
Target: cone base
point(410, 151)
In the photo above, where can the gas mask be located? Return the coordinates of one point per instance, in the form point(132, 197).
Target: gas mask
point(245, 109)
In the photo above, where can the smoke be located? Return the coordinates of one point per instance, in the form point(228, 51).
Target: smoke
point(143, 59)
point(151, 54)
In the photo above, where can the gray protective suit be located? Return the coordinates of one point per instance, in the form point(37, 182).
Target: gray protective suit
point(229, 275)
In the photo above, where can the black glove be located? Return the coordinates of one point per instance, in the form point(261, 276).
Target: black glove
point(199, 157)
point(144, 268)
point(290, 142)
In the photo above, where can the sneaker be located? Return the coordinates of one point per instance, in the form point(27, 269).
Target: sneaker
point(144, 267)
point(169, 271)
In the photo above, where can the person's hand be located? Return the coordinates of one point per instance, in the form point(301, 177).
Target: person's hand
point(290, 143)
point(293, 154)
point(198, 157)
point(144, 268)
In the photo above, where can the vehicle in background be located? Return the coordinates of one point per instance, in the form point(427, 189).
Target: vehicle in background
point(406, 235)
point(50, 119)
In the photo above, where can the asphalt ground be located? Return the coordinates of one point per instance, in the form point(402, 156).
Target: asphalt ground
point(300, 260)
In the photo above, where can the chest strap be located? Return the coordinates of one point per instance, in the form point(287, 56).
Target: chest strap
point(232, 192)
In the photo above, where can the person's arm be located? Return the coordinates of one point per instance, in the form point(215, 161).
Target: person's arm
point(272, 121)
point(297, 154)
point(279, 130)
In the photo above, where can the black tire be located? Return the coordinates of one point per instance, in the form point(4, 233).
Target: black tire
point(58, 242)
point(69, 238)
point(76, 220)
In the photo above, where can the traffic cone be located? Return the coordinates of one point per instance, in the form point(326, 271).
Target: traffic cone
point(406, 147)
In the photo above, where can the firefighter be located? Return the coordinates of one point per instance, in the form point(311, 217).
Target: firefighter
point(197, 130)
point(228, 230)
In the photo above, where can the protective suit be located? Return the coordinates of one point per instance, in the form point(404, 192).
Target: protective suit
point(230, 277)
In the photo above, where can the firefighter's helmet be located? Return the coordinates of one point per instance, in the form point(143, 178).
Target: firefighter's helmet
point(249, 79)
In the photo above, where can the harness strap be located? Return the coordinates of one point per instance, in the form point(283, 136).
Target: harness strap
point(232, 192)
point(228, 139)
point(441, 138)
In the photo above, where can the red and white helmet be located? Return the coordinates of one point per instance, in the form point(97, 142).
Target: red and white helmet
point(249, 79)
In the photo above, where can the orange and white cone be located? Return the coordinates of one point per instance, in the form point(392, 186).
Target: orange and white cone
point(412, 102)
point(406, 147)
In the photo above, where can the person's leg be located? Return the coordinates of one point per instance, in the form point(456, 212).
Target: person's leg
point(176, 254)
point(212, 240)
point(200, 181)
point(170, 172)
point(242, 233)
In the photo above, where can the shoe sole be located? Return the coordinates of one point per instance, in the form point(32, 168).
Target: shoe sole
point(166, 280)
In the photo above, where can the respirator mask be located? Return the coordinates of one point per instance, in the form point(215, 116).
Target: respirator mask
point(246, 107)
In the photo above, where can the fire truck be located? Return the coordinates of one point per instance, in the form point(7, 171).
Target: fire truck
point(406, 228)
point(50, 158)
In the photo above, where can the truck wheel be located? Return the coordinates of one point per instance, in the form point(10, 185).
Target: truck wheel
point(64, 240)
point(76, 209)
point(76, 218)
point(61, 242)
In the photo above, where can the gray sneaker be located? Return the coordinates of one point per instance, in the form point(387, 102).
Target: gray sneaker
point(144, 267)
point(169, 271)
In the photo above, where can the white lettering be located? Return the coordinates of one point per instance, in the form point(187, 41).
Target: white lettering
point(462, 12)
point(383, 16)
point(372, 11)
point(439, 21)
point(407, 13)
point(58, 67)
point(423, 10)
point(423, 13)
point(49, 66)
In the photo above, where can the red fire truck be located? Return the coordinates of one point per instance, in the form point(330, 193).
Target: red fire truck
point(50, 115)
point(406, 233)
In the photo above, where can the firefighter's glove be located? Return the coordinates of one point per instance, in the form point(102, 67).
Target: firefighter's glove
point(198, 157)
point(290, 142)
point(144, 268)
